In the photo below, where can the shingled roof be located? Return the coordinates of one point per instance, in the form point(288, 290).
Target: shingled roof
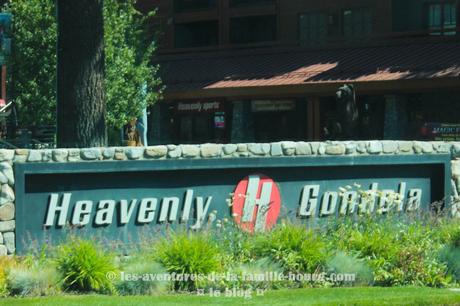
point(291, 67)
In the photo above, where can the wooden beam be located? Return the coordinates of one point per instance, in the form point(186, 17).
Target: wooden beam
point(316, 89)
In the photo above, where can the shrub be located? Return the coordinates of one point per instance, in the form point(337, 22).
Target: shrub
point(191, 254)
point(293, 246)
point(236, 245)
point(343, 263)
point(6, 263)
point(142, 284)
point(451, 256)
point(84, 268)
point(399, 253)
point(33, 281)
point(259, 274)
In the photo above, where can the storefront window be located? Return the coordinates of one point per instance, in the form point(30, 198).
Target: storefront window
point(368, 126)
point(201, 122)
point(279, 120)
point(431, 117)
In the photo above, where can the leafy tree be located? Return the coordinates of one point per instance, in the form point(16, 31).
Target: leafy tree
point(131, 79)
point(33, 62)
point(129, 48)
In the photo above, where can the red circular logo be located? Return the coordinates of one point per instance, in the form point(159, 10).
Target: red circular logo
point(256, 203)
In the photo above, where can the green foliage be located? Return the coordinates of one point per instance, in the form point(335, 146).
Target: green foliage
point(129, 50)
point(33, 281)
point(142, 270)
point(34, 60)
point(451, 256)
point(84, 268)
point(258, 274)
point(236, 245)
point(343, 263)
point(399, 253)
point(192, 254)
point(6, 264)
point(297, 249)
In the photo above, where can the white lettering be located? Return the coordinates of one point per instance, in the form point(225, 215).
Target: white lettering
point(147, 210)
point(81, 214)
point(309, 201)
point(53, 209)
point(104, 215)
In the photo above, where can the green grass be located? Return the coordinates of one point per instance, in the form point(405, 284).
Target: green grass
point(335, 296)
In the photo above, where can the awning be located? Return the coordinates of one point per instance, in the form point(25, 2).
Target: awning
point(384, 67)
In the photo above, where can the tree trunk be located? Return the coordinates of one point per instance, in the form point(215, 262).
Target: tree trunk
point(80, 86)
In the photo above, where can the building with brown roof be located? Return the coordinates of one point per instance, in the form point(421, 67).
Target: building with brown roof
point(269, 70)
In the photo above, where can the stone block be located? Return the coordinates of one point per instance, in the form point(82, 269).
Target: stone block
point(6, 154)
point(134, 153)
point(374, 147)
point(303, 148)
point(108, 153)
point(335, 149)
point(276, 149)
point(259, 149)
point(230, 148)
point(7, 226)
point(34, 156)
point(289, 147)
point(6, 194)
point(190, 151)
point(174, 151)
point(6, 171)
point(7, 212)
point(390, 147)
point(60, 155)
point(91, 154)
point(210, 150)
point(156, 152)
point(9, 242)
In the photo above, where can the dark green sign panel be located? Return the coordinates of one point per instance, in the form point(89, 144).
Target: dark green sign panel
point(121, 200)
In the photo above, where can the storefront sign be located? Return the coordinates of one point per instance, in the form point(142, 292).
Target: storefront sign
point(199, 107)
point(119, 200)
point(441, 131)
point(272, 106)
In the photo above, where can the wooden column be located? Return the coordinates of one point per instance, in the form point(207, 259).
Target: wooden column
point(313, 119)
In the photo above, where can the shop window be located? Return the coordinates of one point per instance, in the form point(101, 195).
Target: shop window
point(234, 3)
point(430, 116)
point(357, 23)
point(253, 29)
point(442, 19)
point(312, 28)
point(193, 5)
point(197, 34)
point(201, 122)
point(370, 121)
point(279, 120)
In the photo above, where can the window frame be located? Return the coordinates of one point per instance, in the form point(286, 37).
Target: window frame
point(299, 27)
point(442, 30)
point(239, 43)
point(202, 9)
point(355, 9)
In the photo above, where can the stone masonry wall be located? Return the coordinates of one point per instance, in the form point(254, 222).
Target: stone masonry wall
point(9, 157)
